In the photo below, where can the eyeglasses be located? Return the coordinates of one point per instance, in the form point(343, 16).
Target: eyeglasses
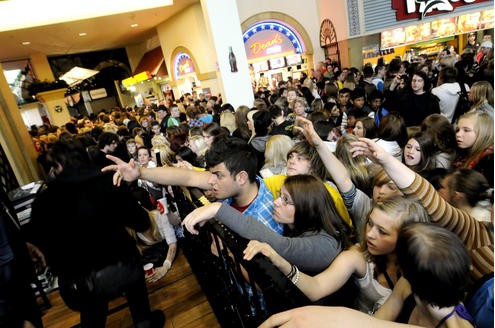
point(285, 201)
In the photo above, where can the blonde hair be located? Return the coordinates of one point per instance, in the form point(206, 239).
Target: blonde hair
point(357, 166)
point(277, 148)
point(227, 119)
point(155, 233)
point(402, 210)
point(302, 101)
point(199, 143)
point(483, 128)
point(160, 143)
point(481, 91)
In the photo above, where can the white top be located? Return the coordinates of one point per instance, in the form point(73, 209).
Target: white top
point(372, 294)
point(164, 227)
point(448, 95)
point(391, 147)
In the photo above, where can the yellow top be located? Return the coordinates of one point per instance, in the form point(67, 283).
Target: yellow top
point(275, 182)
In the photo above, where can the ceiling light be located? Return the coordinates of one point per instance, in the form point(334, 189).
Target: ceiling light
point(39, 13)
point(26, 43)
point(134, 25)
point(83, 34)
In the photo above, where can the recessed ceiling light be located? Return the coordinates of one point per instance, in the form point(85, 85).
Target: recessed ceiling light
point(26, 43)
point(83, 34)
point(134, 25)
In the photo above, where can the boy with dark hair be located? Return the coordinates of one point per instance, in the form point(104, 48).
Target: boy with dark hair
point(231, 176)
point(358, 101)
point(352, 116)
point(280, 123)
point(376, 102)
point(344, 103)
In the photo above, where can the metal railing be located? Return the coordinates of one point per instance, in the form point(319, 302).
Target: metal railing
point(241, 293)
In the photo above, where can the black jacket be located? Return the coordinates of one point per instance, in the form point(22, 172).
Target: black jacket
point(79, 222)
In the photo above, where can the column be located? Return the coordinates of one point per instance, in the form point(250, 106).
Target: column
point(41, 67)
point(14, 137)
point(224, 30)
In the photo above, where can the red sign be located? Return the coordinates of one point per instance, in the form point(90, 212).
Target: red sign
point(409, 9)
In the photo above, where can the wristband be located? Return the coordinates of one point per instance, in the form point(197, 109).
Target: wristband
point(167, 264)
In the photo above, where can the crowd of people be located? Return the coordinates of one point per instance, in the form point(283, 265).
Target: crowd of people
point(365, 176)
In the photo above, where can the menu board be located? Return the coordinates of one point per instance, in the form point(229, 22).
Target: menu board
point(393, 37)
point(469, 22)
point(293, 59)
point(416, 33)
point(261, 66)
point(437, 29)
point(443, 27)
point(277, 62)
point(487, 19)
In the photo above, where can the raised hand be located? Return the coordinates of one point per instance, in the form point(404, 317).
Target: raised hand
point(306, 127)
point(369, 149)
point(200, 215)
point(123, 171)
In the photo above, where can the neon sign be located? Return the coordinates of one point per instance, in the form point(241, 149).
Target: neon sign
point(271, 38)
point(257, 46)
point(183, 65)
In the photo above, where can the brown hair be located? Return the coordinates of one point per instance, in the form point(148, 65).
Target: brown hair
point(304, 148)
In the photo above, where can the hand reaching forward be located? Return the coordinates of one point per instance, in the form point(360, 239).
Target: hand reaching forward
point(200, 215)
point(371, 150)
point(254, 247)
point(123, 171)
point(306, 127)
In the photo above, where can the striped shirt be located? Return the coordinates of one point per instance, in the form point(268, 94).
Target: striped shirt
point(476, 235)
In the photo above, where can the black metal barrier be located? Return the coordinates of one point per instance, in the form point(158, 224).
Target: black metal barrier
point(241, 293)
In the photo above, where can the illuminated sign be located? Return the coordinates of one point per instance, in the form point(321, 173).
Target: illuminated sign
point(437, 29)
point(143, 76)
point(271, 39)
point(409, 9)
point(183, 65)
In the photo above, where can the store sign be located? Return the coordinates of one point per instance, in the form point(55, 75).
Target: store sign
point(98, 93)
point(270, 39)
point(183, 65)
point(409, 9)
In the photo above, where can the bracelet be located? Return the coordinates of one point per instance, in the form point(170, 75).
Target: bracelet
point(295, 279)
point(292, 272)
point(167, 264)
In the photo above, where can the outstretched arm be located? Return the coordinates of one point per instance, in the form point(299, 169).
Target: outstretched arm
point(327, 317)
point(161, 175)
point(335, 168)
point(325, 283)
